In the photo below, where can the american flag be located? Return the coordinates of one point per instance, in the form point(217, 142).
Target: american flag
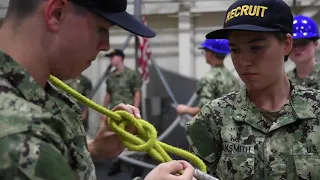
point(144, 56)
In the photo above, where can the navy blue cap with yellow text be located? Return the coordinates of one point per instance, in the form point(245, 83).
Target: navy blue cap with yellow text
point(115, 12)
point(256, 15)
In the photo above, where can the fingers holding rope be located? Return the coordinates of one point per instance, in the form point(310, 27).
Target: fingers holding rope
point(146, 139)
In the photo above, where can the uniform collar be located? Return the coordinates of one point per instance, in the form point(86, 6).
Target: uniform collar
point(27, 88)
point(218, 66)
point(313, 72)
point(297, 108)
point(21, 79)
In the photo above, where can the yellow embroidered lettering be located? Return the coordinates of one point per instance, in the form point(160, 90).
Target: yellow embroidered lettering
point(232, 13)
point(263, 9)
point(237, 13)
point(252, 10)
point(228, 17)
point(258, 11)
point(246, 10)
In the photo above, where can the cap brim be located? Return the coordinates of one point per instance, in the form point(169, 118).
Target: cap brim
point(223, 33)
point(129, 23)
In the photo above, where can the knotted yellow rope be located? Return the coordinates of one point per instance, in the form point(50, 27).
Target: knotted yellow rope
point(119, 120)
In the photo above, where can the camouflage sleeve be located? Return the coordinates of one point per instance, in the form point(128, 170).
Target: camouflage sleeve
point(88, 87)
point(23, 156)
point(108, 86)
point(136, 82)
point(205, 91)
point(203, 128)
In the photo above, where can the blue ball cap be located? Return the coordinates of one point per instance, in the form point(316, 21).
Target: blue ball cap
point(216, 45)
point(256, 15)
point(304, 28)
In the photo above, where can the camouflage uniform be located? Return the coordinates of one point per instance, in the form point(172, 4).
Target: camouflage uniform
point(83, 85)
point(248, 143)
point(216, 83)
point(311, 81)
point(122, 86)
point(42, 135)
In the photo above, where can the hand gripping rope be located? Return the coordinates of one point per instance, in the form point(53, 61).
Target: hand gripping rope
point(146, 138)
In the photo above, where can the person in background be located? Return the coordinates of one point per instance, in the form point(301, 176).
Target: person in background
point(123, 86)
point(42, 135)
point(83, 85)
point(218, 81)
point(305, 43)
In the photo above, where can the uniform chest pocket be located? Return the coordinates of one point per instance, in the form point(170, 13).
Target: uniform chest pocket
point(307, 166)
point(237, 164)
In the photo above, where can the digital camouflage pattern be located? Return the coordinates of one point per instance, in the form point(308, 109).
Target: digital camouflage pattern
point(311, 81)
point(216, 83)
point(122, 86)
point(240, 144)
point(42, 135)
point(82, 84)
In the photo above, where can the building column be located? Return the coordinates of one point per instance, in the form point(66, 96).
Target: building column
point(186, 49)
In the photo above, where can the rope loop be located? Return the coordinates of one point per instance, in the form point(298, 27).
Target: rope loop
point(146, 138)
point(146, 134)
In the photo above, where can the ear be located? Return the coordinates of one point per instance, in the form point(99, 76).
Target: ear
point(316, 43)
point(53, 13)
point(288, 43)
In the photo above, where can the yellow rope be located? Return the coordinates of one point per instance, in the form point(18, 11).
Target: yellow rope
point(119, 120)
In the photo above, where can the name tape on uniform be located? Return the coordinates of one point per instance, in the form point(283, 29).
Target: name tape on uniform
point(247, 10)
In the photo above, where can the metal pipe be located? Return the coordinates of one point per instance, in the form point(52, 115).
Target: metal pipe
point(164, 82)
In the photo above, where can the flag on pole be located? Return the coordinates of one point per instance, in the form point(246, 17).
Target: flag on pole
point(144, 55)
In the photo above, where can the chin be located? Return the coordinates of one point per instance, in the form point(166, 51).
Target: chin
point(298, 60)
point(254, 85)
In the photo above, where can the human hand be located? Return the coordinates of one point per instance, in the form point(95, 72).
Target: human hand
point(182, 109)
point(85, 114)
point(107, 143)
point(167, 171)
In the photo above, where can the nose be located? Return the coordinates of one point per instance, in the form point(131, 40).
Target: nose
point(104, 44)
point(245, 60)
point(297, 48)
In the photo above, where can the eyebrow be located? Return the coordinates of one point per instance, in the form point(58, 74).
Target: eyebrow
point(251, 41)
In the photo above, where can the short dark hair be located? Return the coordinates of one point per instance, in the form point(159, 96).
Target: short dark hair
point(281, 37)
point(220, 56)
point(21, 9)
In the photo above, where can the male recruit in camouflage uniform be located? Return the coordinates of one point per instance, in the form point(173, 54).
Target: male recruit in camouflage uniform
point(122, 86)
point(42, 135)
point(216, 83)
point(269, 130)
point(83, 85)
point(305, 43)
point(312, 80)
point(39, 127)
